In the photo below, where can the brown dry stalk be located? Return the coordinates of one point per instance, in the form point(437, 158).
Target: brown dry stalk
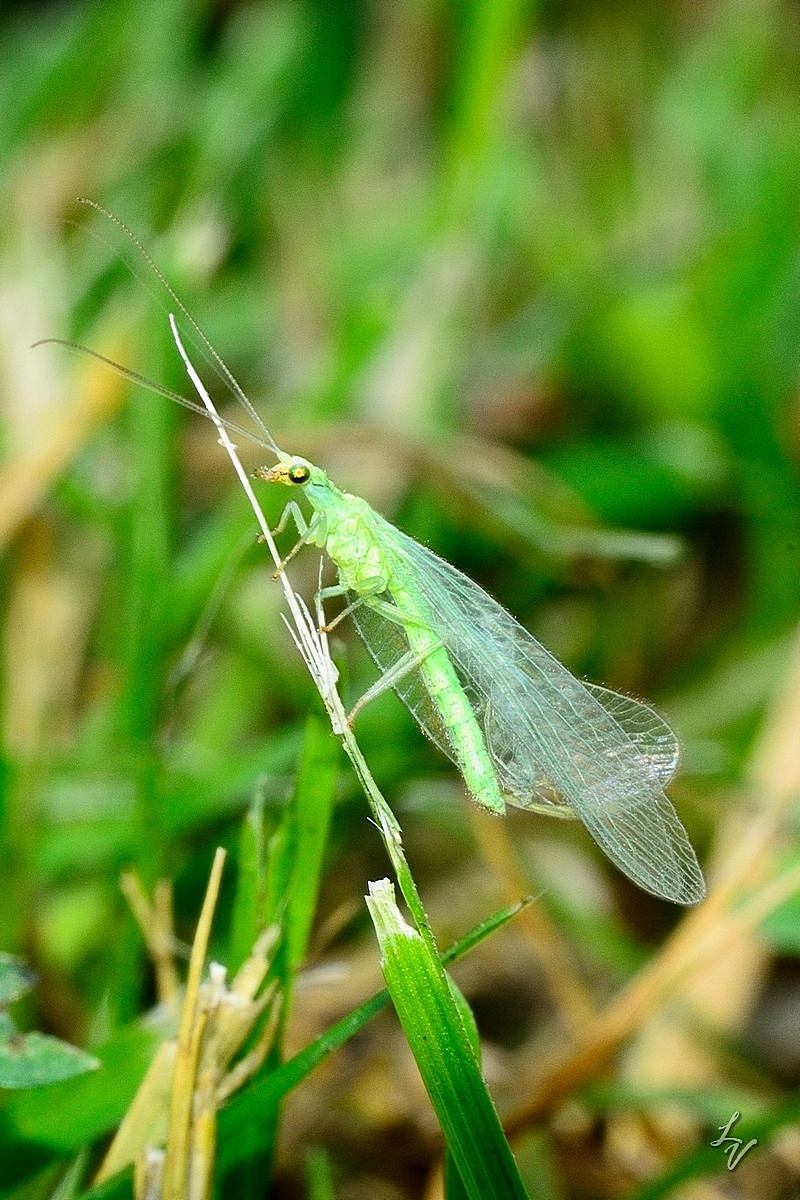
point(635, 1003)
point(176, 1163)
point(155, 922)
point(253, 1061)
point(177, 1102)
point(148, 1175)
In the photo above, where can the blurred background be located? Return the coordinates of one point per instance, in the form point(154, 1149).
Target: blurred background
point(526, 278)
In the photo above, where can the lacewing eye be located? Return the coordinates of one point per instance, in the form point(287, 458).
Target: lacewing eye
point(299, 473)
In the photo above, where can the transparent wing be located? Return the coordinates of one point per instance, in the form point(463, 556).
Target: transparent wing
point(649, 732)
point(554, 741)
point(386, 643)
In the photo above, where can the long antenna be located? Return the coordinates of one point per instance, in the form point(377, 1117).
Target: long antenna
point(158, 388)
point(218, 361)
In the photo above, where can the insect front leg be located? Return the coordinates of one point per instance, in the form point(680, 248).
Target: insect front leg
point(307, 530)
point(295, 512)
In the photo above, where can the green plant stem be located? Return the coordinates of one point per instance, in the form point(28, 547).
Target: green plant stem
point(391, 835)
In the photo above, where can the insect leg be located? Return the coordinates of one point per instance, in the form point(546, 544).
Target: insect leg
point(368, 595)
point(395, 614)
point(328, 593)
point(385, 607)
point(404, 665)
point(307, 531)
point(294, 511)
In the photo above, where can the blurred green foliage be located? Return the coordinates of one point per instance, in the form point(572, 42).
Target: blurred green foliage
point(518, 274)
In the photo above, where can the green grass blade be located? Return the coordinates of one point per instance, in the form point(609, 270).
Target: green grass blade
point(239, 1120)
point(454, 1188)
point(453, 1183)
point(101, 1105)
point(319, 1178)
point(69, 1184)
point(248, 915)
point(294, 867)
point(315, 793)
point(445, 1056)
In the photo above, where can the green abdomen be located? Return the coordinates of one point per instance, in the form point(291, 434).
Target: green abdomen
point(441, 682)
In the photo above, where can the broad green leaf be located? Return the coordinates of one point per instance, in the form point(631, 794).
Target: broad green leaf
point(32, 1059)
point(95, 1101)
point(15, 979)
